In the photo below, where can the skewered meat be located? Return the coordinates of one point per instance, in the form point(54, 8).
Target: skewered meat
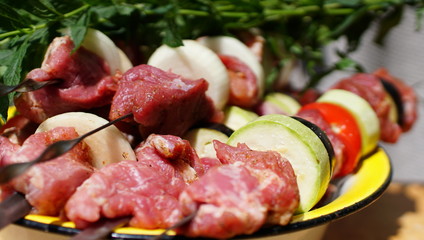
point(408, 98)
point(148, 189)
point(260, 186)
point(85, 82)
point(47, 186)
point(244, 91)
point(7, 148)
point(162, 102)
point(370, 88)
point(251, 188)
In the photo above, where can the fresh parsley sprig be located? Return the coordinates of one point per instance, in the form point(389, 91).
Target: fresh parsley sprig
point(293, 29)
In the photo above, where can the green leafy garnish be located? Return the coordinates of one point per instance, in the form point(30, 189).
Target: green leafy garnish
point(292, 29)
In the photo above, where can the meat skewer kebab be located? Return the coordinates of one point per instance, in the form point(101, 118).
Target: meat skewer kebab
point(251, 188)
point(162, 159)
point(53, 151)
point(45, 174)
point(185, 88)
point(43, 184)
point(162, 102)
point(88, 76)
point(176, 86)
point(146, 190)
point(166, 165)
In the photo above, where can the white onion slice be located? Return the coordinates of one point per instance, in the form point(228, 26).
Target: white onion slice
point(231, 46)
point(100, 44)
point(106, 146)
point(125, 61)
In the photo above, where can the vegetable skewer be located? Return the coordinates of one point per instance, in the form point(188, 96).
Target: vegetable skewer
point(39, 184)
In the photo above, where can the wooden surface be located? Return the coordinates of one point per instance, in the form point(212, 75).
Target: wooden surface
point(397, 215)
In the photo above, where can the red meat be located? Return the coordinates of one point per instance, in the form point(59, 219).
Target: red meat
point(47, 186)
point(7, 148)
point(408, 98)
point(254, 41)
point(369, 87)
point(148, 189)
point(85, 82)
point(228, 203)
point(250, 189)
point(162, 102)
point(244, 90)
point(275, 173)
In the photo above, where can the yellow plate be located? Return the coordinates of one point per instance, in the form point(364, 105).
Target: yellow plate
point(356, 192)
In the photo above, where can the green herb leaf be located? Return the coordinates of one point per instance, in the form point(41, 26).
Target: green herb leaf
point(12, 75)
point(292, 29)
point(10, 18)
point(390, 20)
point(79, 30)
point(172, 38)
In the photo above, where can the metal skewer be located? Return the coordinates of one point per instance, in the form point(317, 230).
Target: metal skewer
point(27, 85)
point(101, 229)
point(104, 227)
point(179, 224)
point(54, 150)
point(13, 208)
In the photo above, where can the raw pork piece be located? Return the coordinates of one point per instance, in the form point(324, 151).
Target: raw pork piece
point(251, 188)
point(369, 87)
point(244, 90)
point(85, 82)
point(7, 148)
point(254, 41)
point(147, 190)
point(162, 102)
point(408, 97)
point(47, 186)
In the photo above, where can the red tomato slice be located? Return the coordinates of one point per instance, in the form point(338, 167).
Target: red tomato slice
point(345, 126)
